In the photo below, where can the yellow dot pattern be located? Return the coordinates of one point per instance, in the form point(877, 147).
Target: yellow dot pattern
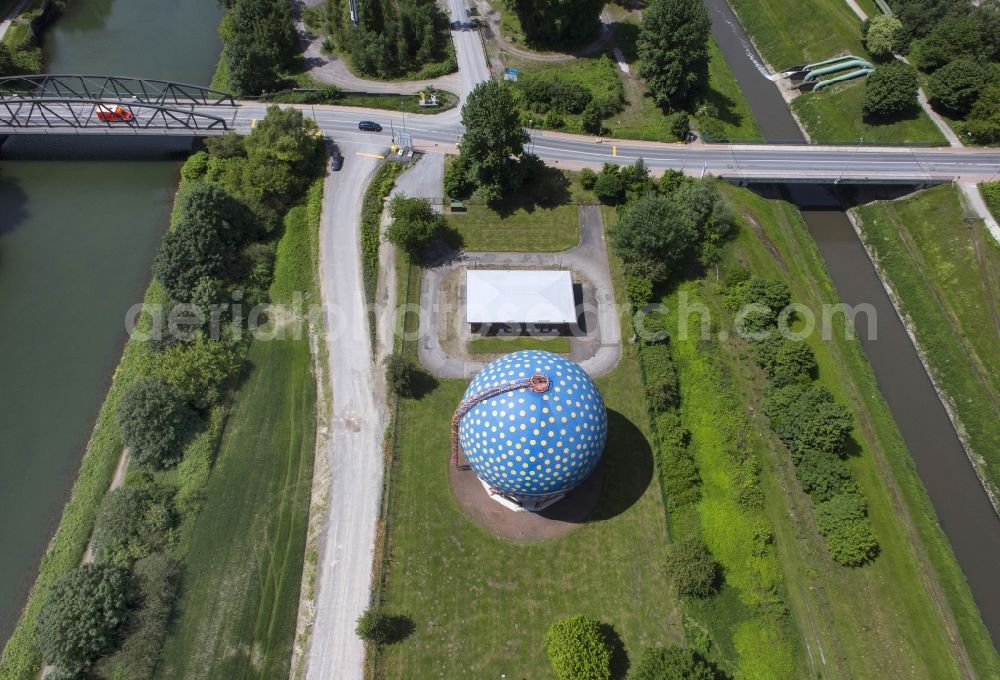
point(531, 444)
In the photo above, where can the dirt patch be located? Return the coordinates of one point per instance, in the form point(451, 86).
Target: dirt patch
point(557, 520)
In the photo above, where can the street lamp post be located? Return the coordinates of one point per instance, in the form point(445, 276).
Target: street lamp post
point(850, 160)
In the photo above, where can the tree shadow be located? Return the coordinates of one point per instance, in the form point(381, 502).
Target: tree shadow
point(546, 188)
point(628, 468)
point(422, 383)
point(13, 205)
point(627, 38)
point(619, 656)
point(398, 627)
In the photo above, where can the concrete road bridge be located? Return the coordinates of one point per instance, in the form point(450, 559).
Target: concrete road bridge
point(69, 105)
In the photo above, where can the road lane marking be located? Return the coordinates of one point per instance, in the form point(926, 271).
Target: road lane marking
point(370, 155)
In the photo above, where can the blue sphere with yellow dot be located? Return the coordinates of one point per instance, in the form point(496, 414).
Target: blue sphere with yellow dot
point(532, 424)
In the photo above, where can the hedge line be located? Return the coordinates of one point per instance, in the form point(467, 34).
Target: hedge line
point(814, 428)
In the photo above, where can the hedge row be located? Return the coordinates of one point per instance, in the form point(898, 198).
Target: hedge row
point(371, 217)
point(813, 426)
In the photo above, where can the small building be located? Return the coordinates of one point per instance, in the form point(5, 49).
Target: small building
point(530, 298)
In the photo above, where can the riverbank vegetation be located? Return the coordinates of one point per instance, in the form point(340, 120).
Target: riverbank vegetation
point(391, 39)
point(945, 272)
point(21, 48)
point(906, 592)
point(184, 377)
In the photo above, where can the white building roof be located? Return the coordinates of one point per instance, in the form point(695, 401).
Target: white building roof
point(519, 296)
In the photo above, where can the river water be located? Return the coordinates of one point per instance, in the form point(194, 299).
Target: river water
point(962, 507)
point(77, 238)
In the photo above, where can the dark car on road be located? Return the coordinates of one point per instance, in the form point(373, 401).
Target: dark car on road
point(369, 126)
point(336, 160)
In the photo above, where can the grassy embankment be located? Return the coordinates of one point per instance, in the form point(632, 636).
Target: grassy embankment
point(890, 617)
point(501, 345)
point(481, 604)
point(946, 275)
point(790, 32)
point(542, 216)
point(240, 595)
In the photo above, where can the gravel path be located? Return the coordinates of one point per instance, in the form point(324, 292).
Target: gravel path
point(355, 442)
point(590, 257)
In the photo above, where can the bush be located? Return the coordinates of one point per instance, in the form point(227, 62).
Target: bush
point(662, 391)
point(823, 475)
point(414, 225)
point(681, 480)
point(200, 369)
point(853, 544)
point(82, 615)
point(639, 290)
point(588, 178)
point(955, 87)
point(808, 418)
point(157, 578)
point(456, 182)
point(672, 663)
point(679, 125)
point(373, 626)
point(891, 91)
point(785, 360)
point(772, 295)
point(691, 568)
point(403, 375)
point(578, 649)
point(132, 523)
point(153, 418)
point(840, 510)
point(195, 167)
point(592, 119)
point(609, 187)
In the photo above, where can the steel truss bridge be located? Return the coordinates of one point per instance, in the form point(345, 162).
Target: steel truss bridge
point(60, 104)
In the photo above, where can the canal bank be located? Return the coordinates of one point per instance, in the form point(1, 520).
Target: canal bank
point(77, 238)
point(962, 507)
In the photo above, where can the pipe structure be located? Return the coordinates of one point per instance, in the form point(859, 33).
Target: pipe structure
point(847, 76)
point(813, 74)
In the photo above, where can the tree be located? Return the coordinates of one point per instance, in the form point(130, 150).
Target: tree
point(592, 119)
point(658, 233)
point(883, 34)
point(558, 22)
point(955, 87)
point(153, 417)
point(403, 375)
point(672, 663)
point(673, 50)
point(494, 139)
point(637, 180)
point(853, 544)
point(578, 649)
point(890, 91)
point(951, 38)
point(204, 240)
point(823, 475)
point(588, 178)
point(199, 370)
point(691, 568)
point(131, 523)
point(82, 615)
point(771, 295)
point(7, 66)
point(808, 418)
point(983, 124)
point(414, 225)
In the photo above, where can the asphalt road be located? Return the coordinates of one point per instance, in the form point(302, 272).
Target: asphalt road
point(774, 162)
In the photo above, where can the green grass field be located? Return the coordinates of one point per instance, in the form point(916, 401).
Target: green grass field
point(481, 604)
point(542, 216)
point(890, 624)
point(946, 273)
point(834, 115)
point(240, 595)
point(502, 345)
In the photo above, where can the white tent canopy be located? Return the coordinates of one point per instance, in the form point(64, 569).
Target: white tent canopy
point(519, 296)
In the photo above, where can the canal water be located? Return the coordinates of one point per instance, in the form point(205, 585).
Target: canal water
point(77, 239)
point(962, 506)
